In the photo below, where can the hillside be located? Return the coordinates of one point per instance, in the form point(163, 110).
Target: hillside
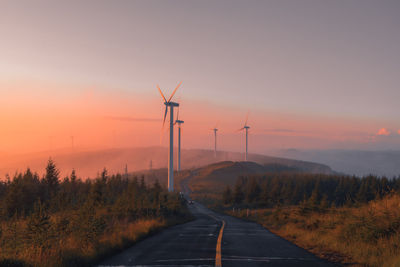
point(90, 163)
point(213, 179)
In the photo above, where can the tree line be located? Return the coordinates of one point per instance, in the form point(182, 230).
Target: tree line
point(274, 189)
point(44, 217)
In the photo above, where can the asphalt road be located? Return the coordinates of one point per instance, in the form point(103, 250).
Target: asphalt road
point(214, 240)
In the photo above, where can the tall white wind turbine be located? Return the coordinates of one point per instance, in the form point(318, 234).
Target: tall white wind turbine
point(179, 122)
point(246, 127)
point(171, 105)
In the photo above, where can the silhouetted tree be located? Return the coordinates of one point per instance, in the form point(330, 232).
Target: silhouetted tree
point(50, 180)
point(156, 191)
point(253, 191)
point(315, 196)
point(238, 194)
point(227, 195)
point(295, 188)
point(96, 193)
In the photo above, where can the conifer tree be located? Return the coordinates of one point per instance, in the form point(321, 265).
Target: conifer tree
point(73, 176)
point(253, 191)
point(156, 191)
point(238, 194)
point(315, 196)
point(51, 180)
point(227, 195)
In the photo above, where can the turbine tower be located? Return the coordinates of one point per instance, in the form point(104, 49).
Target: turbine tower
point(246, 127)
point(179, 122)
point(171, 105)
point(215, 140)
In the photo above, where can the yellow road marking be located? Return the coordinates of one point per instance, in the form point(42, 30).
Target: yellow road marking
point(218, 261)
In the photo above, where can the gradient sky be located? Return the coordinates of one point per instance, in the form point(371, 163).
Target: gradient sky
point(313, 74)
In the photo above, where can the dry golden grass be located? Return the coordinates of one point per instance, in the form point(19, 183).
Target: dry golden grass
point(70, 252)
point(368, 235)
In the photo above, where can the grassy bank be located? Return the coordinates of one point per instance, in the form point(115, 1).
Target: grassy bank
point(367, 235)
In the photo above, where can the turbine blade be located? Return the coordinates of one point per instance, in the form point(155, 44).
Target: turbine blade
point(241, 129)
point(174, 91)
point(162, 133)
point(165, 116)
point(158, 87)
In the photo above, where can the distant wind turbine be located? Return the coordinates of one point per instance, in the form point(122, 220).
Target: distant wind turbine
point(171, 106)
point(246, 127)
point(179, 122)
point(215, 140)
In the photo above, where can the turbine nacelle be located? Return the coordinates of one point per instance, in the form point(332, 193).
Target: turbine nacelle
point(245, 124)
point(171, 104)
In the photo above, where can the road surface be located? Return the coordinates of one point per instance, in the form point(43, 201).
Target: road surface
point(214, 239)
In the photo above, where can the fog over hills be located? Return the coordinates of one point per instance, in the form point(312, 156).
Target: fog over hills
point(358, 162)
point(90, 163)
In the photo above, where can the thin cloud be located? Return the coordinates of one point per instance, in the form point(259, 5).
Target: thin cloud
point(384, 132)
point(127, 118)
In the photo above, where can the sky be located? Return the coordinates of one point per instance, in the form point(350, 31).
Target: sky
point(311, 74)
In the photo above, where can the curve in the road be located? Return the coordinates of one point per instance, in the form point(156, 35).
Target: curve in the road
point(215, 240)
point(218, 254)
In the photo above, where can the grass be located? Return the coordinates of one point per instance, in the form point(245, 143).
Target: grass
point(74, 249)
point(367, 235)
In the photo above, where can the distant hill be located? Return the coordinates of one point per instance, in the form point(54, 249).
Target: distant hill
point(220, 174)
point(90, 163)
point(213, 178)
point(358, 162)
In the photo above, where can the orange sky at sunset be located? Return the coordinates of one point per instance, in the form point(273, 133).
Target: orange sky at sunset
point(35, 117)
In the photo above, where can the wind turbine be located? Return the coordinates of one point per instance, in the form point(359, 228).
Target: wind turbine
point(179, 122)
point(171, 105)
point(215, 140)
point(246, 127)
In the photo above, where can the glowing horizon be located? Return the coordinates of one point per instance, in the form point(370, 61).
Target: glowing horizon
point(104, 120)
